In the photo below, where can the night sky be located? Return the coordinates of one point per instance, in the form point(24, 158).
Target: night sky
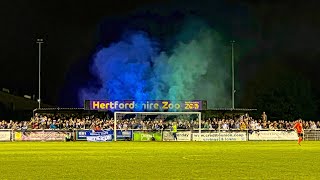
point(278, 35)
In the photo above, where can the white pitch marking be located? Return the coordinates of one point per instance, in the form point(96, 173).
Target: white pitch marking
point(189, 157)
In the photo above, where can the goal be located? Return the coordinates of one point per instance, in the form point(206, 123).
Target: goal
point(120, 115)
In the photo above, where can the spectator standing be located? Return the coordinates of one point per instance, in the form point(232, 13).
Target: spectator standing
point(53, 125)
point(264, 116)
point(258, 126)
point(243, 125)
point(174, 131)
point(225, 126)
point(24, 128)
point(313, 126)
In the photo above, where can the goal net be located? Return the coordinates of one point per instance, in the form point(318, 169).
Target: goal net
point(134, 125)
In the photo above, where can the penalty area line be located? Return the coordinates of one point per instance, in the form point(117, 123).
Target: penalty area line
point(195, 157)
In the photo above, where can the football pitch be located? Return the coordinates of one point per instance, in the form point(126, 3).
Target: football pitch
point(160, 160)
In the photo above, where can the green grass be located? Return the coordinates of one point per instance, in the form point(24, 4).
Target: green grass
point(159, 160)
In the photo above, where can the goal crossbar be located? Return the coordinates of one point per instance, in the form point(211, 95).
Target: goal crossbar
point(152, 113)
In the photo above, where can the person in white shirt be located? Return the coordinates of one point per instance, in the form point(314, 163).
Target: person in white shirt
point(252, 125)
point(258, 126)
point(210, 127)
point(225, 126)
point(313, 126)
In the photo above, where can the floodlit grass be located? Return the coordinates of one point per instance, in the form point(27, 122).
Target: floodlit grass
point(159, 160)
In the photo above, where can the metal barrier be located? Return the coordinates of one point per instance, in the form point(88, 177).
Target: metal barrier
point(312, 135)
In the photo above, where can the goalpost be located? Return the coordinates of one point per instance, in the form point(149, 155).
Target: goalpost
point(154, 113)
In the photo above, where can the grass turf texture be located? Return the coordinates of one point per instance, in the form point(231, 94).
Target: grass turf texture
point(160, 160)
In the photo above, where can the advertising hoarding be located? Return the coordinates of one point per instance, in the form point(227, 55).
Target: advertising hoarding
point(159, 105)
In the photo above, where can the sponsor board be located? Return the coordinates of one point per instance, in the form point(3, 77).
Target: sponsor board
point(273, 135)
point(181, 136)
point(40, 136)
point(222, 136)
point(5, 135)
point(121, 134)
point(158, 105)
point(81, 135)
point(100, 136)
point(146, 136)
point(124, 135)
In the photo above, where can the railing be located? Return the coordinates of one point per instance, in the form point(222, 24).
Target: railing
point(160, 135)
point(312, 134)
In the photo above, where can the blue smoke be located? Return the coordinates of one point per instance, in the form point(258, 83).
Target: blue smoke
point(123, 69)
point(135, 69)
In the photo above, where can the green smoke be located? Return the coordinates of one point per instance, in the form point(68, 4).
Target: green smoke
point(197, 68)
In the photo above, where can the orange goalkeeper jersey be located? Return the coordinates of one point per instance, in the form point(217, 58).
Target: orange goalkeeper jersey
point(298, 127)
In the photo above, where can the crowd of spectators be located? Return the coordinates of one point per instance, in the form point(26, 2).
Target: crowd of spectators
point(73, 121)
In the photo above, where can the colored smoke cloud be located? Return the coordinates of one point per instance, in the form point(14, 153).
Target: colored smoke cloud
point(135, 68)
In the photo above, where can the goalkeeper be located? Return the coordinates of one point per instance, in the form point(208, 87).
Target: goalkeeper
point(174, 131)
point(299, 130)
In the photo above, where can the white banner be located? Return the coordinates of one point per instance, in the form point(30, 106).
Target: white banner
point(99, 138)
point(222, 136)
point(273, 135)
point(181, 136)
point(40, 135)
point(5, 135)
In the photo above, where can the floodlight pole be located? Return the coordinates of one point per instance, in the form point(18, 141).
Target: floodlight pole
point(232, 71)
point(39, 42)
